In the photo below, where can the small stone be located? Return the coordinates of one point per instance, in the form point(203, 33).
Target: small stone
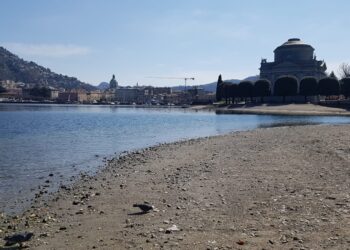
point(63, 228)
point(171, 229)
point(80, 212)
point(283, 239)
point(43, 235)
point(240, 242)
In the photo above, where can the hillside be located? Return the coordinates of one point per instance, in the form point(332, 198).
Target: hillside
point(103, 86)
point(14, 68)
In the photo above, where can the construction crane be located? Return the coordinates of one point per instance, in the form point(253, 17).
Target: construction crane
point(183, 78)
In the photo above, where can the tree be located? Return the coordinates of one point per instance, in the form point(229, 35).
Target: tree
point(40, 92)
point(332, 75)
point(262, 88)
point(246, 89)
point(344, 70)
point(286, 86)
point(345, 87)
point(219, 89)
point(233, 92)
point(328, 86)
point(308, 87)
point(225, 91)
point(2, 89)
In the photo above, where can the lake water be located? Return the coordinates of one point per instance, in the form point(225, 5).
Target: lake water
point(64, 140)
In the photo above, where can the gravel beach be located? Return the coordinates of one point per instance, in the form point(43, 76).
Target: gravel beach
point(287, 109)
point(270, 188)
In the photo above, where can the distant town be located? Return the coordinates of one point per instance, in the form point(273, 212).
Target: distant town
point(23, 81)
point(295, 76)
point(11, 91)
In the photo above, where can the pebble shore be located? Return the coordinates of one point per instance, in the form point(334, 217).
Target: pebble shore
point(270, 188)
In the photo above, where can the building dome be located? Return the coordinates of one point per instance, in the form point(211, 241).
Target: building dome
point(294, 50)
point(113, 83)
point(294, 42)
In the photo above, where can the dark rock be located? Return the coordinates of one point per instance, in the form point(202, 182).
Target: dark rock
point(76, 203)
point(43, 235)
point(18, 238)
point(240, 242)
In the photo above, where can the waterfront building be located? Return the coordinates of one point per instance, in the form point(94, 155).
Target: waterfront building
point(127, 95)
point(109, 95)
point(93, 96)
point(9, 84)
point(294, 58)
point(53, 93)
point(68, 97)
point(12, 93)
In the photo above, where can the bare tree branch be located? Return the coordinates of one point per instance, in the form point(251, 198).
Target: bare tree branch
point(344, 70)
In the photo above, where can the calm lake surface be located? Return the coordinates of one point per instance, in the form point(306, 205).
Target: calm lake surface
point(65, 140)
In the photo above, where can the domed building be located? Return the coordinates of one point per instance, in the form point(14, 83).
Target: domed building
point(295, 58)
point(113, 84)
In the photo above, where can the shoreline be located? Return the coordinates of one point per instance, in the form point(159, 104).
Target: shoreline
point(260, 109)
point(279, 113)
point(285, 110)
point(185, 181)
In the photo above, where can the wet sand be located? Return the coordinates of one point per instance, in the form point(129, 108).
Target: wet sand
point(287, 109)
point(271, 188)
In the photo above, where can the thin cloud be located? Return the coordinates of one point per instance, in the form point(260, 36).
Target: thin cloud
point(47, 50)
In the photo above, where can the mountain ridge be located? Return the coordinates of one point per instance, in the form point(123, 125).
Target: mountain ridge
point(14, 68)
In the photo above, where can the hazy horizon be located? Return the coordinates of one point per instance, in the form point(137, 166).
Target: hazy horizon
point(92, 40)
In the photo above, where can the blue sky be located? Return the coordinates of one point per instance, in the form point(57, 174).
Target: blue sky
point(133, 39)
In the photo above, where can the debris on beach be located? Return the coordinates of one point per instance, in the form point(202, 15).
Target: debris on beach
point(145, 207)
point(18, 238)
point(171, 229)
